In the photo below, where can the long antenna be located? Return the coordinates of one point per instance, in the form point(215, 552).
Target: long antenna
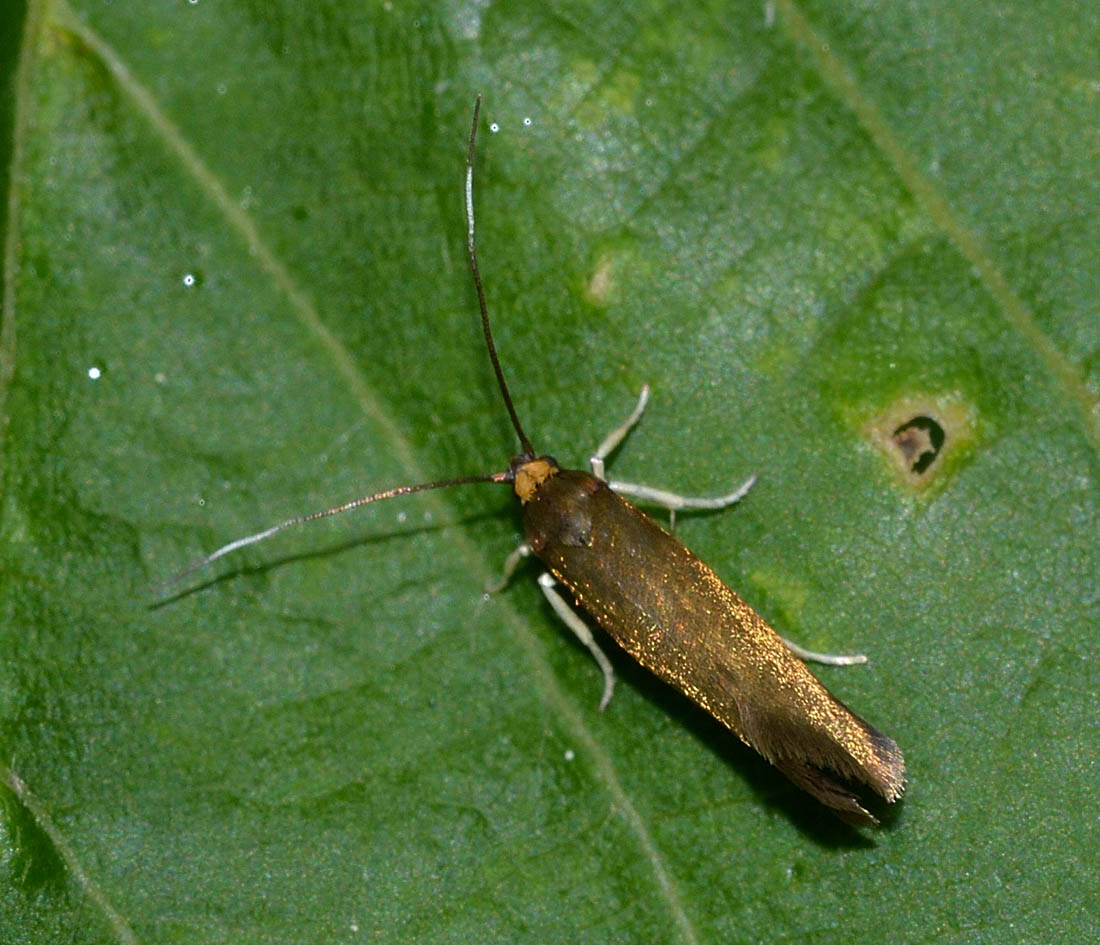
point(500, 477)
point(528, 449)
point(313, 516)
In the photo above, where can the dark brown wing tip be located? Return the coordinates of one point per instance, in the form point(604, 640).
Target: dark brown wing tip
point(833, 777)
point(829, 790)
point(887, 777)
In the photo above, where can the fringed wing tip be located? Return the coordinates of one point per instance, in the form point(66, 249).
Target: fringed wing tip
point(834, 792)
point(831, 773)
point(889, 773)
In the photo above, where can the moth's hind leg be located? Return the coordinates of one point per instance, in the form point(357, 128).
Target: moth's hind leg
point(669, 500)
point(674, 502)
point(583, 633)
point(829, 659)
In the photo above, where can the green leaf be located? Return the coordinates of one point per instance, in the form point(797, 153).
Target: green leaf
point(804, 226)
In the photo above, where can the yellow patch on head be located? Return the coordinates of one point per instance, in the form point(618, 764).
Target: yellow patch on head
point(530, 476)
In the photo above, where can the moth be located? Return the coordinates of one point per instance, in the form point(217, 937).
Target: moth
point(664, 606)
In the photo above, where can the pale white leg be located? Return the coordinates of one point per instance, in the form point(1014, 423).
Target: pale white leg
point(669, 500)
point(584, 634)
point(616, 436)
point(674, 502)
point(510, 564)
point(830, 659)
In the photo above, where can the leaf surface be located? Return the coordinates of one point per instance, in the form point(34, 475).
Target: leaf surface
point(235, 290)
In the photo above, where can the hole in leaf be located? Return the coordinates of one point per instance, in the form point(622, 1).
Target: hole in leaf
point(920, 441)
point(925, 436)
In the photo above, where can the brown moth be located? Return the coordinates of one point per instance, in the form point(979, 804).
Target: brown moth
point(666, 608)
